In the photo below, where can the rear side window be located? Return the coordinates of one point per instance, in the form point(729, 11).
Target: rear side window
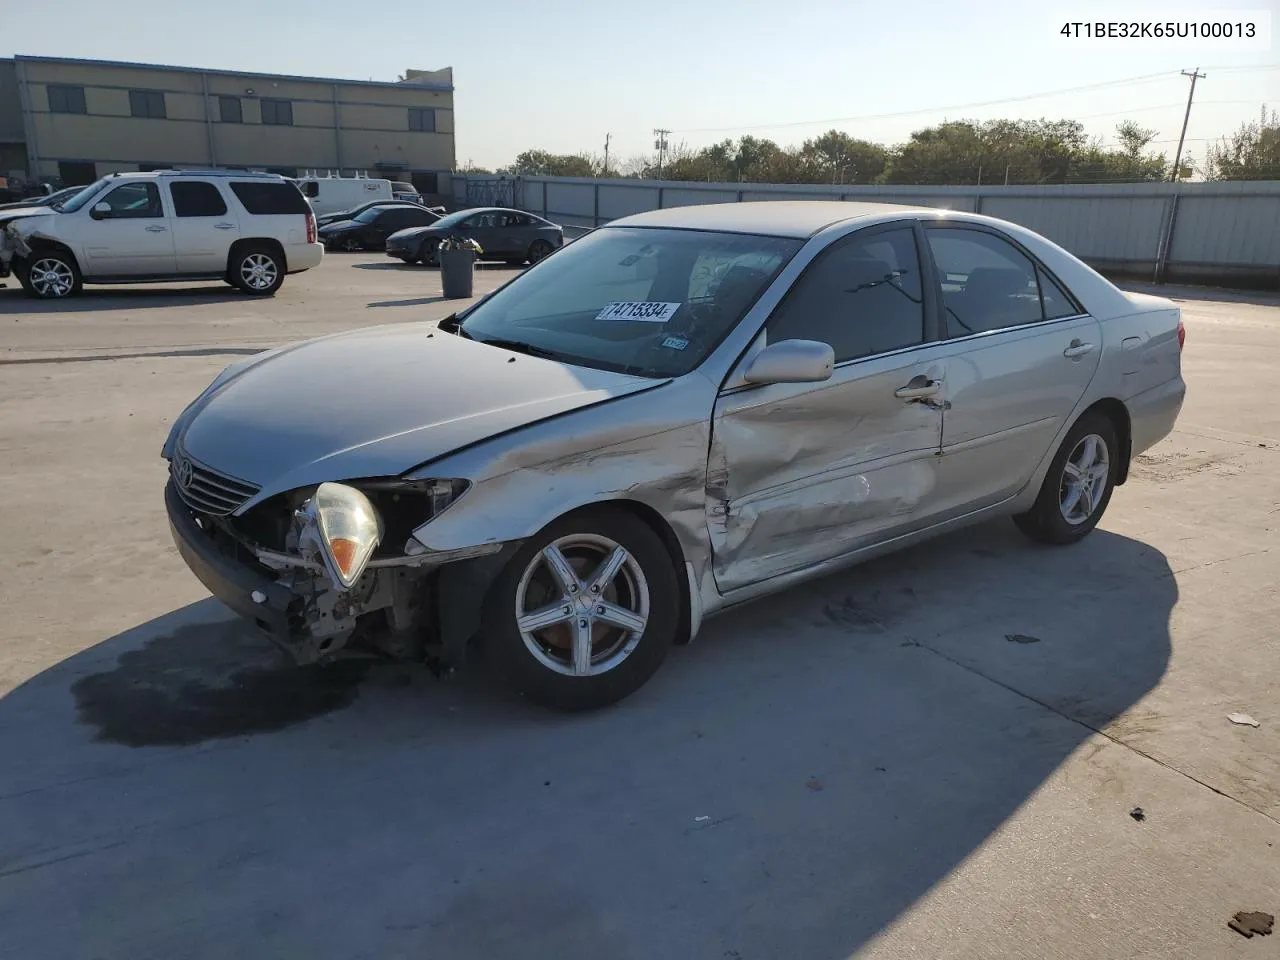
point(989, 284)
point(196, 198)
point(862, 296)
point(265, 198)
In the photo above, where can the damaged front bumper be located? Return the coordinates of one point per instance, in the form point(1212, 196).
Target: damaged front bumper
point(393, 609)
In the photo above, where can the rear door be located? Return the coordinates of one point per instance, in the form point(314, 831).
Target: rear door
point(483, 229)
point(1022, 354)
point(203, 228)
point(133, 237)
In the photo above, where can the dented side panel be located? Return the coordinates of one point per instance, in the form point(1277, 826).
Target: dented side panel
point(802, 473)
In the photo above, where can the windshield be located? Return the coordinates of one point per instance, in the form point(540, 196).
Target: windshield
point(83, 197)
point(652, 302)
point(453, 219)
point(368, 216)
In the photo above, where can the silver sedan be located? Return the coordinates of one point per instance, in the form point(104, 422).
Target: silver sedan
point(682, 411)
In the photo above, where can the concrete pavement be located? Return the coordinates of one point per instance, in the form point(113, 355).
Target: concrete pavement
point(865, 765)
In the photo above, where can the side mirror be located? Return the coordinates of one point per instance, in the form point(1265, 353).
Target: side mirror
point(100, 211)
point(792, 361)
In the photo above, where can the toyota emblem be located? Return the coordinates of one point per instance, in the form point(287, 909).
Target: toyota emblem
point(182, 471)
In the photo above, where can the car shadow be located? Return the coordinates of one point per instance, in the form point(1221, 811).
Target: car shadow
point(414, 302)
point(120, 298)
point(786, 786)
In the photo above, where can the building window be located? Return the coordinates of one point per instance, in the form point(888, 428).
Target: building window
point(422, 119)
point(147, 103)
point(64, 99)
point(278, 112)
point(229, 110)
point(74, 173)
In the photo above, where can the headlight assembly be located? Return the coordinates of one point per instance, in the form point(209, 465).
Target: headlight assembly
point(340, 523)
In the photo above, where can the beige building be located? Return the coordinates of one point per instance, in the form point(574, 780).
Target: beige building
point(81, 119)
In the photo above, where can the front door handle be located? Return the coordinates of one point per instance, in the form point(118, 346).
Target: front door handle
point(918, 388)
point(156, 228)
point(224, 226)
point(1077, 349)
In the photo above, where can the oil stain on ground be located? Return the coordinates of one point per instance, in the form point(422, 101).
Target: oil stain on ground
point(207, 681)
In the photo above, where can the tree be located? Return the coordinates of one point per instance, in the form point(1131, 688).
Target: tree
point(842, 159)
point(1251, 153)
point(542, 163)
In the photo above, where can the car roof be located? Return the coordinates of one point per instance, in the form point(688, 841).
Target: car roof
point(234, 174)
point(778, 218)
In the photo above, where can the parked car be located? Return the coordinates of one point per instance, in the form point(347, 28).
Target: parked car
point(405, 191)
point(248, 229)
point(510, 235)
point(681, 411)
point(47, 200)
point(369, 229)
point(351, 214)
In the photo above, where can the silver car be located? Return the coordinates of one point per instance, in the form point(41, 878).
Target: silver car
point(682, 411)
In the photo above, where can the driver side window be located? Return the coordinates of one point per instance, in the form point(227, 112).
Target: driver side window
point(132, 201)
point(862, 295)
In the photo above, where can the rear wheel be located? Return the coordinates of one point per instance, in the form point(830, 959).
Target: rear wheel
point(539, 249)
point(1078, 485)
point(586, 611)
point(257, 270)
point(50, 275)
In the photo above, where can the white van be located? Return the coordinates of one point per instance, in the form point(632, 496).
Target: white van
point(334, 194)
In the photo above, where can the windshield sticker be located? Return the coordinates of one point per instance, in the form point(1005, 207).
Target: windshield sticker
point(675, 343)
point(648, 311)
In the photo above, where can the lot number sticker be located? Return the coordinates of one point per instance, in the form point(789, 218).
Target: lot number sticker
point(649, 311)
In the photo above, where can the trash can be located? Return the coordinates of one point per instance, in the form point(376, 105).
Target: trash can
point(457, 273)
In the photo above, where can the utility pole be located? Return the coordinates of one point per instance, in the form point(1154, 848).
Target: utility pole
point(606, 153)
point(660, 144)
point(1177, 157)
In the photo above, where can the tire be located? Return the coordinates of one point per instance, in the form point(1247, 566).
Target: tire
point(1067, 511)
point(544, 663)
point(50, 275)
point(257, 270)
point(352, 244)
point(428, 253)
point(539, 249)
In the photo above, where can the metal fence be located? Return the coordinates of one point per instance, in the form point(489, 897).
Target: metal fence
point(1211, 233)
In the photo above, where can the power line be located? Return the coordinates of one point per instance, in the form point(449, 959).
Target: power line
point(1129, 81)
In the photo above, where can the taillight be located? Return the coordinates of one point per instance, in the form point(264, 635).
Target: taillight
point(1182, 334)
point(311, 228)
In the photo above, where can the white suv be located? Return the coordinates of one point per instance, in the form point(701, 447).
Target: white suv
point(248, 229)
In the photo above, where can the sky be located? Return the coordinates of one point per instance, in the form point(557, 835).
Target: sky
point(562, 74)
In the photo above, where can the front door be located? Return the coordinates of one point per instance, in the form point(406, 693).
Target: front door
point(802, 473)
point(132, 238)
point(203, 228)
point(1022, 354)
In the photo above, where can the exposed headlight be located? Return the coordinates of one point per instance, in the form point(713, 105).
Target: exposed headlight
point(341, 522)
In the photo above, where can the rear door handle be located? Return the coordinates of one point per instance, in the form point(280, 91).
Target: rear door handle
point(918, 388)
point(156, 228)
point(224, 226)
point(1077, 349)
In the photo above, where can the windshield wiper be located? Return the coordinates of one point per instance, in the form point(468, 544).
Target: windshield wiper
point(519, 346)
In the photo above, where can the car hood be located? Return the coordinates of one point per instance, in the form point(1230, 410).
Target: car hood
point(13, 213)
point(408, 232)
point(376, 403)
point(337, 226)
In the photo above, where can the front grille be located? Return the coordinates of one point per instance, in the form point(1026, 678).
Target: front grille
point(206, 490)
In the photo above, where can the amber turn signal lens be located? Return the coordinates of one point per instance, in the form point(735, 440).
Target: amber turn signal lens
point(344, 554)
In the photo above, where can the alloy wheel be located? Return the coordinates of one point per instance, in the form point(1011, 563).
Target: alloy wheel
point(1084, 479)
point(582, 605)
point(258, 271)
point(51, 277)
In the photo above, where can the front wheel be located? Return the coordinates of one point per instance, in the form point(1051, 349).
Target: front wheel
point(429, 253)
point(50, 275)
point(258, 270)
point(1078, 485)
point(584, 614)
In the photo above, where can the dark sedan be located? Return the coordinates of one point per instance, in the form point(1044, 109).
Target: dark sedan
point(369, 229)
point(510, 235)
point(328, 218)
